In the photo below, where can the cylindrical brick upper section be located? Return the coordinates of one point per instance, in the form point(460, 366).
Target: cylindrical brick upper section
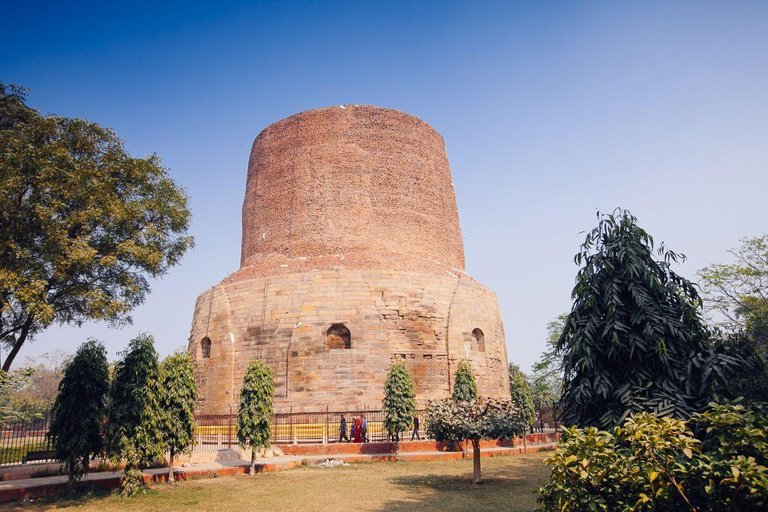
point(355, 187)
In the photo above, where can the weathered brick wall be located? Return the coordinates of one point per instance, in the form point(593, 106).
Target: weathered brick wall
point(368, 183)
point(424, 319)
point(349, 218)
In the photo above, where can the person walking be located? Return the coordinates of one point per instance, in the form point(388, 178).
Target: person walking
point(415, 428)
point(343, 429)
point(364, 428)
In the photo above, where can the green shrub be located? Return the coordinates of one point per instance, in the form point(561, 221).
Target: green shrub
point(652, 463)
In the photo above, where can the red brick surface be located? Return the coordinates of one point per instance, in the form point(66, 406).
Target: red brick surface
point(368, 183)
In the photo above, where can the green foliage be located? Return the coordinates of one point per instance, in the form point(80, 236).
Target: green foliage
point(653, 463)
point(83, 225)
point(80, 409)
point(399, 404)
point(134, 428)
point(474, 419)
point(635, 340)
point(464, 386)
point(737, 294)
point(547, 378)
point(254, 418)
point(520, 391)
point(11, 383)
point(36, 397)
point(178, 402)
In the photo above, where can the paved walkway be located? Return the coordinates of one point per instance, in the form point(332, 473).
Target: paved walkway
point(11, 490)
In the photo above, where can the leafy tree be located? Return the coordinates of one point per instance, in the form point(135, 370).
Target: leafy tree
point(37, 396)
point(254, 419)
point(136, 418)
point(738, 294)
point(80, 408)
point(464, 386)
point(399, 404)
point(547, 378)
point(83, 225)
point(179, 394)
point(520, 391)
point(10, 383)
point(635, 339)
point(474, 419)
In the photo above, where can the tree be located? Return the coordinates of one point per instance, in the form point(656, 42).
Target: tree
point(738, 293)
point(635, 339)
point(464, 386)
point(520, 391)
point(83, 225)
point(254, 419)
point(134, 428)
point(474, 419)
point(399, 404)
point(547, 378)
point(179, 394)
point(10, 383)
point(37, 396)
point(80, 408)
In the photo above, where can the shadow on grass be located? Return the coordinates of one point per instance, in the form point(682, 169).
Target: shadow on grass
point(81, 497)
point(515, 491)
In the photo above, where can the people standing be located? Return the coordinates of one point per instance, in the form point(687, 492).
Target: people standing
point(358, 437)
point(415, 428)
point(364, 428)
point(343, 429)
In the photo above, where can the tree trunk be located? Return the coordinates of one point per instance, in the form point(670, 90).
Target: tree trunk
point(19, 342)
point(253, 461)
point(170, 467)
point(476, 461)
point(71, 478)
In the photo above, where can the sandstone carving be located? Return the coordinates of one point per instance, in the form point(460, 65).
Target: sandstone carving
point(352, 257)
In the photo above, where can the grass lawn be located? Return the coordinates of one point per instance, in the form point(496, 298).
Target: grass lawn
point(509, 484)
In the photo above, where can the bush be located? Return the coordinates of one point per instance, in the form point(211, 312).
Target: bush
point(652, 463)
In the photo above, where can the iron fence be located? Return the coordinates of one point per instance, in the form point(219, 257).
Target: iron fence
point(218, 431)
point(24, 441)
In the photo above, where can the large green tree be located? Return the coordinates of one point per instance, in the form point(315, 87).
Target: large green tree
point(464, 385)
point(179, 394)
point(399, 404)
point(635, 340)
point(83, 225)
point(254, 418)
point(736, 294)
point(474, 419)
point(135, 416)
point(80, 409)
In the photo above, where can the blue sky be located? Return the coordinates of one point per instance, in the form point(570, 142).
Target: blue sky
point(549, 111)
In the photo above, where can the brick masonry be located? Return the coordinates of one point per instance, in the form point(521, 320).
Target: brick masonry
point(349, 220)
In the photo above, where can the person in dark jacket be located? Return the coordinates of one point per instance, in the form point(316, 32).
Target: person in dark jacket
point(415, 429)
point(343, 429)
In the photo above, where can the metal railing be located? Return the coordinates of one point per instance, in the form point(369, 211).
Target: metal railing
point(218, 431)
point(25, 439)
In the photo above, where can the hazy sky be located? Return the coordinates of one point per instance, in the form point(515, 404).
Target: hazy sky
point(549, 111)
